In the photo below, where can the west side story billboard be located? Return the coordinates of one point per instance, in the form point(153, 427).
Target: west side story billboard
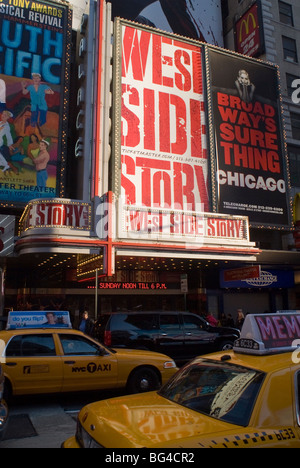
point(160, 122)
point(35, 41)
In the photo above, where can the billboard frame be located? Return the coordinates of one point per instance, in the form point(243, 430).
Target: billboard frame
point(213, 147)
point(64, 27)
point(117, 92)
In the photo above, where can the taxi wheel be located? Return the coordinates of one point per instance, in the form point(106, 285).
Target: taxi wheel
point(7, 394)
point(143, 379)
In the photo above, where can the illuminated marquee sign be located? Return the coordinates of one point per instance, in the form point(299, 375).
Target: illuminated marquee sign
point(56, 213)
point(179, 226)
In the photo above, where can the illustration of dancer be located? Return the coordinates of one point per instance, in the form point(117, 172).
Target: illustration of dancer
point(41, 162)
point(38, 92)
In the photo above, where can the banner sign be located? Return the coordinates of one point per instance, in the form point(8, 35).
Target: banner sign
point(193, 18)
point(38, 319)
point(161, 158)
point(58, 213)
point(249, 37)
point(35, 43)
point(265, 279)
point(251, 175)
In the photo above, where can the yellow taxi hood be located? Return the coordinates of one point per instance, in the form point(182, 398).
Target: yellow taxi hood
point(144, 420)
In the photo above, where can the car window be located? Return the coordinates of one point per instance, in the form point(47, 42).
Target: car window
point(223, 391)
point(31, 345)
point(169, 321)
point(74, 345)
point(134, 322)
point(193, 323)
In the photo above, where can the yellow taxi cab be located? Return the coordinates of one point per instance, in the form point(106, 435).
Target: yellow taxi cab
point(247, 397)
point(39, 356)
point(3, 406)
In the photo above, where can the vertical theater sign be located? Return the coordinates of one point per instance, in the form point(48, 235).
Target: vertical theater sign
point(35, 40)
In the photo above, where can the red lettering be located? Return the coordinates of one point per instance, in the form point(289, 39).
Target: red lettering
point(132, 136)
point(40, 212)
point(183, 80)
point(128, 186)
point(135, 51)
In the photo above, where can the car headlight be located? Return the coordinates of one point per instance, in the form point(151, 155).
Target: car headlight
point(169, 365)
point(84, 439)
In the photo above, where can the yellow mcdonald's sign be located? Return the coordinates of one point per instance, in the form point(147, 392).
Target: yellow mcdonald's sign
point(245, 24)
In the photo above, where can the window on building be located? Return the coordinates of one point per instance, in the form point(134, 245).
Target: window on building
point(295, 122)
point(294, 162)
point(286, 13)
point(289, 82)
point(289, 49)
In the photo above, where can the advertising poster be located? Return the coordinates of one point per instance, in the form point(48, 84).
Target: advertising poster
point(161, 160)
point(251, 165)
point(196, 19)
point(34, 55)
point(38, 319)
point(249, 32)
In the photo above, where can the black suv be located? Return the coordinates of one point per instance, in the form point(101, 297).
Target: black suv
point(180, 335)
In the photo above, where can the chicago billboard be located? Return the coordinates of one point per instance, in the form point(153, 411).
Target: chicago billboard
point(35, 39)
point(251, 166)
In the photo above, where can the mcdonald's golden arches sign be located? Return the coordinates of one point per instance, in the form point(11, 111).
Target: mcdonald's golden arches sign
point(249, 37)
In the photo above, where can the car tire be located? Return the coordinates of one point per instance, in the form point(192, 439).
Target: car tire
point(143, 379)
point(226, 345)
point(8, 393)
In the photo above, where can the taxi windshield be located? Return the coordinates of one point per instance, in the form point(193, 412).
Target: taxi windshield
point(220, 390)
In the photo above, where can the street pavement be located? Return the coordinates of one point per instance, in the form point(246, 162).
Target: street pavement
point(50, 426)
point(46, 421)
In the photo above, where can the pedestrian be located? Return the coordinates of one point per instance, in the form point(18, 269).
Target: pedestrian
point(230, 321)
point(211, 319)
point(86, 325)
point(240, 319)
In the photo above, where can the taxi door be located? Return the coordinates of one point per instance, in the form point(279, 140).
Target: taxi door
point(32, 365)
point(86, 364)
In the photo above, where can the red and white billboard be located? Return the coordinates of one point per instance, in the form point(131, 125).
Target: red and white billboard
point(161, 158)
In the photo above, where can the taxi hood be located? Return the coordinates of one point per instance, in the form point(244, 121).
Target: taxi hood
point(144, 420)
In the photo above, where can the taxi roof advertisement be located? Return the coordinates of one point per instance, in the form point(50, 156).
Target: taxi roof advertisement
point(35, 49)
point(38, 319)
point(251, 175)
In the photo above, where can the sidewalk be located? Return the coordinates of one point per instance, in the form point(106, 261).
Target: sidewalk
point(44, 426)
